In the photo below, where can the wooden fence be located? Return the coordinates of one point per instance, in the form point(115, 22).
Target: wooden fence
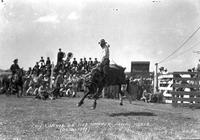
point(165, 82)
point(186, 89)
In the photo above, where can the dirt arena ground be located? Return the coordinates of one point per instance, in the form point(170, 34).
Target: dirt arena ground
point(28, 118)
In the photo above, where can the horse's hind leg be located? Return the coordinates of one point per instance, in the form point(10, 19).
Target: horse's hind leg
point(96, 96)
point(121, 98)
point(128, 96)
point(121, 94)
point(18, 92)
point(94, 104)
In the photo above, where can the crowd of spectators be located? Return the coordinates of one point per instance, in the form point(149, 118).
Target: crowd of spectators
point(63, 79)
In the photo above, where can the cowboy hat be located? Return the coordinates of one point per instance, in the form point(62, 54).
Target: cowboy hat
point(15, 60)
point(102, 41)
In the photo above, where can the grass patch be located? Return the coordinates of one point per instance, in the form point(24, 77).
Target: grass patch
point(27, 118)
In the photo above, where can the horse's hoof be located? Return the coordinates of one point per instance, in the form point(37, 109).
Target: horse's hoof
point(121, 104)
point(79, 104)
point(93, 107)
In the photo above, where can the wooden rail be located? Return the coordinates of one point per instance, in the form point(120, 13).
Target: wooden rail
point(183, 81)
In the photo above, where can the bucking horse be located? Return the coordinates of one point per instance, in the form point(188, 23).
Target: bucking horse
point(95, 83)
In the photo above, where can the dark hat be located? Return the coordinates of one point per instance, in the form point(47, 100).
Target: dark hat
point(15, 60)
point(102, 41)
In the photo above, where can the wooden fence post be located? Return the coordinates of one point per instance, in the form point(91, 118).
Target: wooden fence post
point(173, 96)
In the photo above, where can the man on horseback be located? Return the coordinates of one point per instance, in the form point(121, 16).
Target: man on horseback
point(14, 67)
point(105, 59)
point(16, 82)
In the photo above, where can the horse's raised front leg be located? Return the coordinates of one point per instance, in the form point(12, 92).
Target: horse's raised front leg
point(82, 99)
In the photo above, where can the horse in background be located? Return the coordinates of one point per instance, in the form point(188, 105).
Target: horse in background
point(5, 84)
point(16, 83)
point(95, 83)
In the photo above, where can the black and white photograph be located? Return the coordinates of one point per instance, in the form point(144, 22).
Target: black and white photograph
point(99, 69)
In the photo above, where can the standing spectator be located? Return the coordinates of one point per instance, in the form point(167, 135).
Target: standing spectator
point(48, 61)
point(29, 72)
point(85, 64)
point(198, 66)
point(41, 61)
point(42, 69)
point(90, 63)
point(36, 69)
point(48, 70)
point(74, 63)
point(60, 57)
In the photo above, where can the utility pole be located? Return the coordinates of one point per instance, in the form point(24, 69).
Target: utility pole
point(156, 78)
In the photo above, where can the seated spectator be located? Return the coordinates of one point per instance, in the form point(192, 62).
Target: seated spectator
point(42, 92)
point(72, 87)
point(70, 91)
point(48, 61)
point(146, 97)
point(95, 62)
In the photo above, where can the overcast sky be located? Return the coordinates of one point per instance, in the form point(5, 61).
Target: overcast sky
point(137, 30)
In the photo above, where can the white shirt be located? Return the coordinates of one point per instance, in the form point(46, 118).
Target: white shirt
point(105, 52)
